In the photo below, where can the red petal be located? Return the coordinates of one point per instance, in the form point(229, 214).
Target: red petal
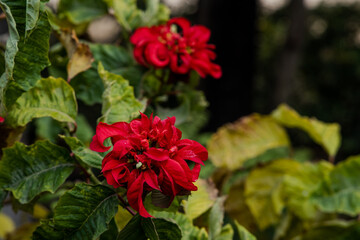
point(135, 196)
point(157, 154)
point(2, 119)
point(157, 54)
point(178, 174)
point(151, 179)
point(182, 22)
point(104, 131)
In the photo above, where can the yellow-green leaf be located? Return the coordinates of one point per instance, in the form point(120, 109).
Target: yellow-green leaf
point(6, 226)
point(119, 102)
point(201, 200)
point(264, 191)
point(50, 97)
point(247, 138)
point(325, 134)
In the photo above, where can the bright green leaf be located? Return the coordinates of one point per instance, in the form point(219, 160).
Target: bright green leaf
point(27, 171)
point(201, 200)
point(233, 144)
point(264, 189)
point(119, 102)
point(325, 134)
point(50, 97)
point(86, 155)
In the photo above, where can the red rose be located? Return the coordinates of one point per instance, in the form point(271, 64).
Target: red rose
point(181, 50)
point(148, 154)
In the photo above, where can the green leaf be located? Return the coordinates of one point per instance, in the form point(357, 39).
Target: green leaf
point(130, 17)
point(201, 200)
point(82, 213)
point(160, 229)
point(27, 171)
point(88, 85)
point(25, 55)
point(84, 131)
point(81, 11)
point(242, 233)
point(7, 225)
point(216, 218)
point(48, 128)
point(302, 184)
point(31, 58)
point(122, 217)
point(341, 191)
point(264, 191)
point(235, 143)
point(325, 134)
point(133, 230)
point(189, 231)
point(119, 102)
point(191, 112)
point(85, 211)
point(333, 231)
point(87, 156)
point(50, 97)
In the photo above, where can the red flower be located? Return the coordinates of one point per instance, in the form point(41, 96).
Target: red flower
point(181, 50)
point(148, 154)
point(2, 119)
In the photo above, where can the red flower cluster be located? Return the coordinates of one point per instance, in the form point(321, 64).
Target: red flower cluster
point(182, 50)
point(148, 154)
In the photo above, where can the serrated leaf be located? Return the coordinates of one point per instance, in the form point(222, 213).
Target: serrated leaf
point(235, 143)
point(189, 231)
point(31, 58)
point(341, 191)
point(27, 171)
point(201, 200)
point(50, 97)
point(264, 189)
point(243, 233)
point(119, 102)
point(25, 54)
point(325, 134)
point(160, 229)
point(85, 211)
point(81, 11)
point(87, 156)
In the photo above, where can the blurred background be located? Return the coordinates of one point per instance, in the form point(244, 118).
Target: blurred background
point(302, 52)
